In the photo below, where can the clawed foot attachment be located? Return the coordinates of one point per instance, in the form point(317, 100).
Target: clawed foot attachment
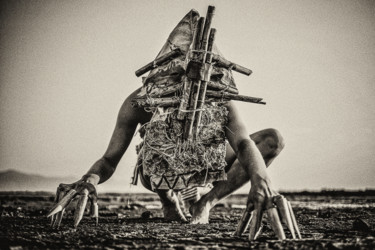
point(278, 210)
point(65, 194)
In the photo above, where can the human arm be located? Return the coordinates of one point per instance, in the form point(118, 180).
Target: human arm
point(262, 197)
point(127, 121)
point(247, 152)
point(261, 192)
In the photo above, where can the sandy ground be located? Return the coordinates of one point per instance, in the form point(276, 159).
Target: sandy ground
point(333, 221)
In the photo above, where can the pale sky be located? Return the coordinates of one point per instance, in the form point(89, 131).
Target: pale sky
point(67, 66)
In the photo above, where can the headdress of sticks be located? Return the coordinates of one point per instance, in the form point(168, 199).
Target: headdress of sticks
point(198, 71)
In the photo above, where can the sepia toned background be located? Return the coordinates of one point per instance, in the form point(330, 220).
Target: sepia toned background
point(67, 66)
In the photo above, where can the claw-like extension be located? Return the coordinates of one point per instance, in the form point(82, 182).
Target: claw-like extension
point(274, 220)
point(62, 203)
point(57, 217)
point(52, 220)
point(244, 223)
point(81, 205)
point(57, 208)
point(259, 232)
point(282, 205)
point(95, 212)
point(57, 198)
point(294, 221)
point(255, 224)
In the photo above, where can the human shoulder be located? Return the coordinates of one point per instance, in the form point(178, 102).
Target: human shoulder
point(232, 110)
point(130, 114)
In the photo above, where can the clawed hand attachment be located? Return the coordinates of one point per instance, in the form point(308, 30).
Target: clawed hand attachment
point(65, 194)
point(278, 210)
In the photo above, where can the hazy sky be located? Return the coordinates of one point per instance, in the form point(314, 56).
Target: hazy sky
point(67, 66)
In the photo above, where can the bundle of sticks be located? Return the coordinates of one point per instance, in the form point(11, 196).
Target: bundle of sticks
point(191, 95)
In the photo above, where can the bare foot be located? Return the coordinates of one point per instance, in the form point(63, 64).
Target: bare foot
point(173, 213)
point(171, 206)
point(185, 206)
point(200, 212)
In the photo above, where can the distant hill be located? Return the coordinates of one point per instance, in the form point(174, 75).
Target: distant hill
point(12, 180)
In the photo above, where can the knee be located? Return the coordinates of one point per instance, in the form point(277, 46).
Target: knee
point(269, 141)
point(276, 138)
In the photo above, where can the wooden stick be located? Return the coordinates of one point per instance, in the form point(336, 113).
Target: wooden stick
point(159, 61)
point(95, 212)
point(207, 27)
point(244, 223)
point(220, 86)
point(203, 88)
point(62, 203)
point(173, 88)
point(163, 91)
point(187, 83)
point(199, 34)
point(195, 94)
point(229, 96)
point(222, 62)
point(80, 209)
point(294, 220)
point(155, 102)
point(282, 206)
point(184, 104)
point(255, 224)
point(211, 96)
point(274, 220)
point(192, 110)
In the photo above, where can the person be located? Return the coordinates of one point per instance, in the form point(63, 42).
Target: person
point(246, 157)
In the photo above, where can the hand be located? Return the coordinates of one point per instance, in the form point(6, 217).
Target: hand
point(262, 197)
point(66, 193)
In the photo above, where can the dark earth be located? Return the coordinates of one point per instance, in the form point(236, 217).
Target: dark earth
point(327, 220)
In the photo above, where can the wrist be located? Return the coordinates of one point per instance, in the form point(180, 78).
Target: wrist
point(258, 179)
point(91, 178)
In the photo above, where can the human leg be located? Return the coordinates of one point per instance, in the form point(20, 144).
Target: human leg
point(168, 199)
point(268, 141)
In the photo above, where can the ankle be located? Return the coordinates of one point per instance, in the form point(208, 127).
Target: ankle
point(206, 202)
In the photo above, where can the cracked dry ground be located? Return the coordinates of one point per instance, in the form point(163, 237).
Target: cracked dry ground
point(135, 221)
